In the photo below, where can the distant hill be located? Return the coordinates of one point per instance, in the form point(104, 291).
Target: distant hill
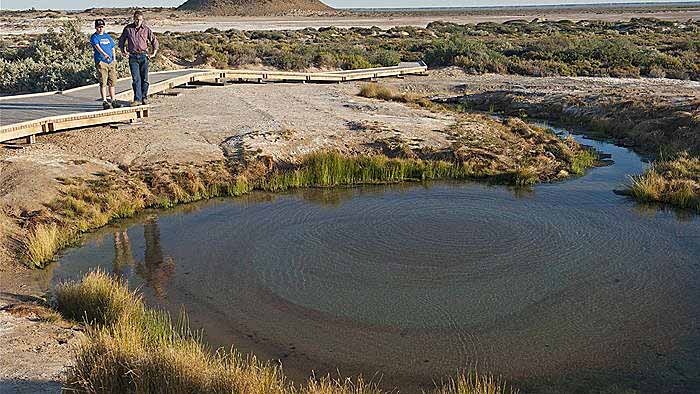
point(256, 7)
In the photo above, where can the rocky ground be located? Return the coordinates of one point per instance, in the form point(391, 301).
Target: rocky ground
point(213, 123)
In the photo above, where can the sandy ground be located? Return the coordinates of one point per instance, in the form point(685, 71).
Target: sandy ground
point(184, 22)
point(35, 355)
point(210, 123)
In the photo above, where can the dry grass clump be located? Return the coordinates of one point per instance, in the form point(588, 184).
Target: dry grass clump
point(511, 151)
point(383, 92)
point(96, 299)
point(42, 243)
point(472, 382)
point(129, 348)
point(675, 182)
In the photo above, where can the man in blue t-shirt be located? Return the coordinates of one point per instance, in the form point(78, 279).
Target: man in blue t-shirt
point(103, 46)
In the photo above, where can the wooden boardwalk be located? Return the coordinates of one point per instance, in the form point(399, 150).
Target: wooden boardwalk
point(25, 116)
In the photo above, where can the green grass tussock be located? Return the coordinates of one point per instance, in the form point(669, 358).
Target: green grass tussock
point(583, 160)
point(130, 348)
point(329, 169)
point(675, 182)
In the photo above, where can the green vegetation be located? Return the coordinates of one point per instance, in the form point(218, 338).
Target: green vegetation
point(640, 47)
point(675, 182)
point(583, 160)
point(130, 348)
point(329, 169)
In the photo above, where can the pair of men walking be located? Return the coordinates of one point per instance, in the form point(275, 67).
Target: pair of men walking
point(134, 42)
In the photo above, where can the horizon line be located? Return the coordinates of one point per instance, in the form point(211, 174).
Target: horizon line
point(563, 5)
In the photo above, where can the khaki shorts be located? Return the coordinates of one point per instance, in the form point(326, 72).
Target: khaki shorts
point(106, 73)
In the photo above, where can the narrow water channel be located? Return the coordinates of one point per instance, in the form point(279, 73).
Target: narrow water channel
point(567, 287)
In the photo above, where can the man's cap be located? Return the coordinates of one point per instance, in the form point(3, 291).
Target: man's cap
point(99, 22)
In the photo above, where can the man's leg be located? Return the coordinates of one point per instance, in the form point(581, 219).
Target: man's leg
point(135, 77)
point(144, 78)
point(112, 81)
point(103, 78)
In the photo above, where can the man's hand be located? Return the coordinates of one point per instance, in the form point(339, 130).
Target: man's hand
point(125, 52)
point(107, 57)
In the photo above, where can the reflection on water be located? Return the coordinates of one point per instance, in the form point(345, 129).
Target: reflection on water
point(155, 269)
point(123, 261)
point(565, 287)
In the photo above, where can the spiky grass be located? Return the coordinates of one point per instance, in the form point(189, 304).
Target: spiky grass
point(583, 160)
point(472, 382)
point(329, 169)
point(97, 299)
point(130, 348)
point(42, 243)
point(675, 182)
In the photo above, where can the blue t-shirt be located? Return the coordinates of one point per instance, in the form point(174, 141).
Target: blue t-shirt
point(105, 42)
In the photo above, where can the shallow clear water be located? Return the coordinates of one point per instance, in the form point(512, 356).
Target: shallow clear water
point(565, 287)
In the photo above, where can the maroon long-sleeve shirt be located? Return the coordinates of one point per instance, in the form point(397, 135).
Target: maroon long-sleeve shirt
point(137, 39)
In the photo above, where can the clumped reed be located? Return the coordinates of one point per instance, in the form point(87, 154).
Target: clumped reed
point(329, 169)
point(130, 348)
point(675, 182)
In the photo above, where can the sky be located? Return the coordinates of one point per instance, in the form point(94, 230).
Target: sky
point(83, 4)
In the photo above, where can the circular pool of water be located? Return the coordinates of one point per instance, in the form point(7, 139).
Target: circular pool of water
point(565, 287)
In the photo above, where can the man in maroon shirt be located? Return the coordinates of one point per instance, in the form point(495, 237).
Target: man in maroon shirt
point(134, 43)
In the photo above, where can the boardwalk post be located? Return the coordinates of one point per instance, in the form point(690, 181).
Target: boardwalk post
point(31, 139)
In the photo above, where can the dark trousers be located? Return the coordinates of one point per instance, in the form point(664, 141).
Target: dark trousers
point(139, 76)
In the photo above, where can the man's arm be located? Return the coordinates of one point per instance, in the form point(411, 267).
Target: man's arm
point(154, 41)
point(122, 42)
